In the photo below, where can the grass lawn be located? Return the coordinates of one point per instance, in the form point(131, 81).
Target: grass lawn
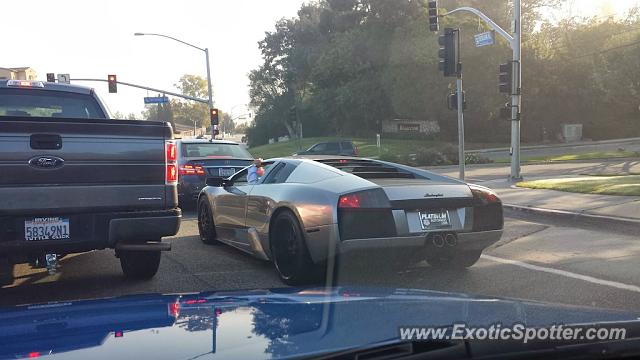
point(366, 147)
point(580, 156)
point(603, 185)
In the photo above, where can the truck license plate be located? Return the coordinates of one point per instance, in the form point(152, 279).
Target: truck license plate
point(435, 220)
point(46, 228)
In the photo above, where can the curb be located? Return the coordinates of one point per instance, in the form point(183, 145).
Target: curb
point(600, 220)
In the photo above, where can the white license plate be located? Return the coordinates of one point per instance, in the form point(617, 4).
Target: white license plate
point(430, 220)
point(227, 172)
point(46, 228)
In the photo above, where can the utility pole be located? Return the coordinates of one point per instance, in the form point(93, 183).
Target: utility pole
point(459, 95)
point(515, 43)
point(516, 96)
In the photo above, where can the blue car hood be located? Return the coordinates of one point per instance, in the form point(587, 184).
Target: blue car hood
point(277, 323)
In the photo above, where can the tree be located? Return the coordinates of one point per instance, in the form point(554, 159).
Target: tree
point(226, 123)
point(160, 112)
point(187, 111)
point(345, 66)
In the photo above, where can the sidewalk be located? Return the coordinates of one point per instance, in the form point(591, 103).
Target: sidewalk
point(622, 207)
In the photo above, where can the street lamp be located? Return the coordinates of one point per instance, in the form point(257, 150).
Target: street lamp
point(206, 52)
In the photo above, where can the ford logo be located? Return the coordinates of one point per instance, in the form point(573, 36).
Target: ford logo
point(46, 162)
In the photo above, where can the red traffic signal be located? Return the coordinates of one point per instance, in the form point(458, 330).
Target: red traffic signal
point(113, 83)
point(215, 116)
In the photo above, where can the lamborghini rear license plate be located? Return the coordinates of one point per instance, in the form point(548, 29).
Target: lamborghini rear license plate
point(46, 228)
point(430, 220)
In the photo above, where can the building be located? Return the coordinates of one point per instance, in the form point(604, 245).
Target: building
point(21, 73)
point(400, 126)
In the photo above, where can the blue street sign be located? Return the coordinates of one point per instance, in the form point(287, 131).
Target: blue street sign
point(156, 100)
point(484, 39)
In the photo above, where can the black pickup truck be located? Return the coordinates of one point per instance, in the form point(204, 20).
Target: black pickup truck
point(73, 180)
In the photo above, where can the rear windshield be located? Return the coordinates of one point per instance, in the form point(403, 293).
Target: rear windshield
point(346, 145)
point(44, 103)
point(213, 150)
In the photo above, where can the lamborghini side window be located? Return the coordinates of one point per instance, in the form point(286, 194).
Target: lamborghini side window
point(280, 174)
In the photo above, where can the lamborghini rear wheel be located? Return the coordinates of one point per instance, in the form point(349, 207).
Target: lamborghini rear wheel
point(289, 250)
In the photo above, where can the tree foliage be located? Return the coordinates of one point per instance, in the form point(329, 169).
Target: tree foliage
point(187, 111)
point(347, 65)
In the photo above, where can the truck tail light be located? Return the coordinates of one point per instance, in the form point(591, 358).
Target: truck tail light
point(172, 174)
point(171, 152)
point(170, 156)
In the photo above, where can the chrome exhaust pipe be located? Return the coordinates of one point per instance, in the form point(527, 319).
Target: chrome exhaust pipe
point(437, 240)
point(451, 239)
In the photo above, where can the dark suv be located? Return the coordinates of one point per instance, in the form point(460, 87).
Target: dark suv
point(342, 147)
point(199, 159)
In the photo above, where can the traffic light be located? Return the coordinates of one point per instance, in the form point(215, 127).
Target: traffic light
point(505, 79)
point(452, 101)
point(51, 77)
point(215, 116)
point(113, 83)
point(450, 52)
point(433, 15)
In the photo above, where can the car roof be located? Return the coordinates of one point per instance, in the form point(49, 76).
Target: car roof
point(77, 89)
point(333, 141)
point(206, 141)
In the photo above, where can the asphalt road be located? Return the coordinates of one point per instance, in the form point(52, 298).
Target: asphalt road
point(536, 259)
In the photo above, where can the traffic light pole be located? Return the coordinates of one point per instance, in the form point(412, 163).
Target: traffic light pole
point(461, 157)
point(516, 96)
point(209, 90)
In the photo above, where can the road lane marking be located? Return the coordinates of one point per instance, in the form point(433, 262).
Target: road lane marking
point(564, 273)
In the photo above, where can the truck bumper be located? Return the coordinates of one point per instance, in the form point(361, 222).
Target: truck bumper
point(91, 232)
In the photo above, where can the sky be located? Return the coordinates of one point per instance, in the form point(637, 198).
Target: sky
point(91, 39)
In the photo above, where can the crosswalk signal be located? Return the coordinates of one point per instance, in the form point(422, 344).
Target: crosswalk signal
point(505, 79)
point(449, 52)
point(51, 77)
point(113, 84)
point(215, 117)
point(433, 15)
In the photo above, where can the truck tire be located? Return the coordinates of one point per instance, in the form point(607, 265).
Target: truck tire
point(6, 272)
point(141, 265)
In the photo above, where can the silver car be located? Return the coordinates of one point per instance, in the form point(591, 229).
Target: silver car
point(303, 210)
